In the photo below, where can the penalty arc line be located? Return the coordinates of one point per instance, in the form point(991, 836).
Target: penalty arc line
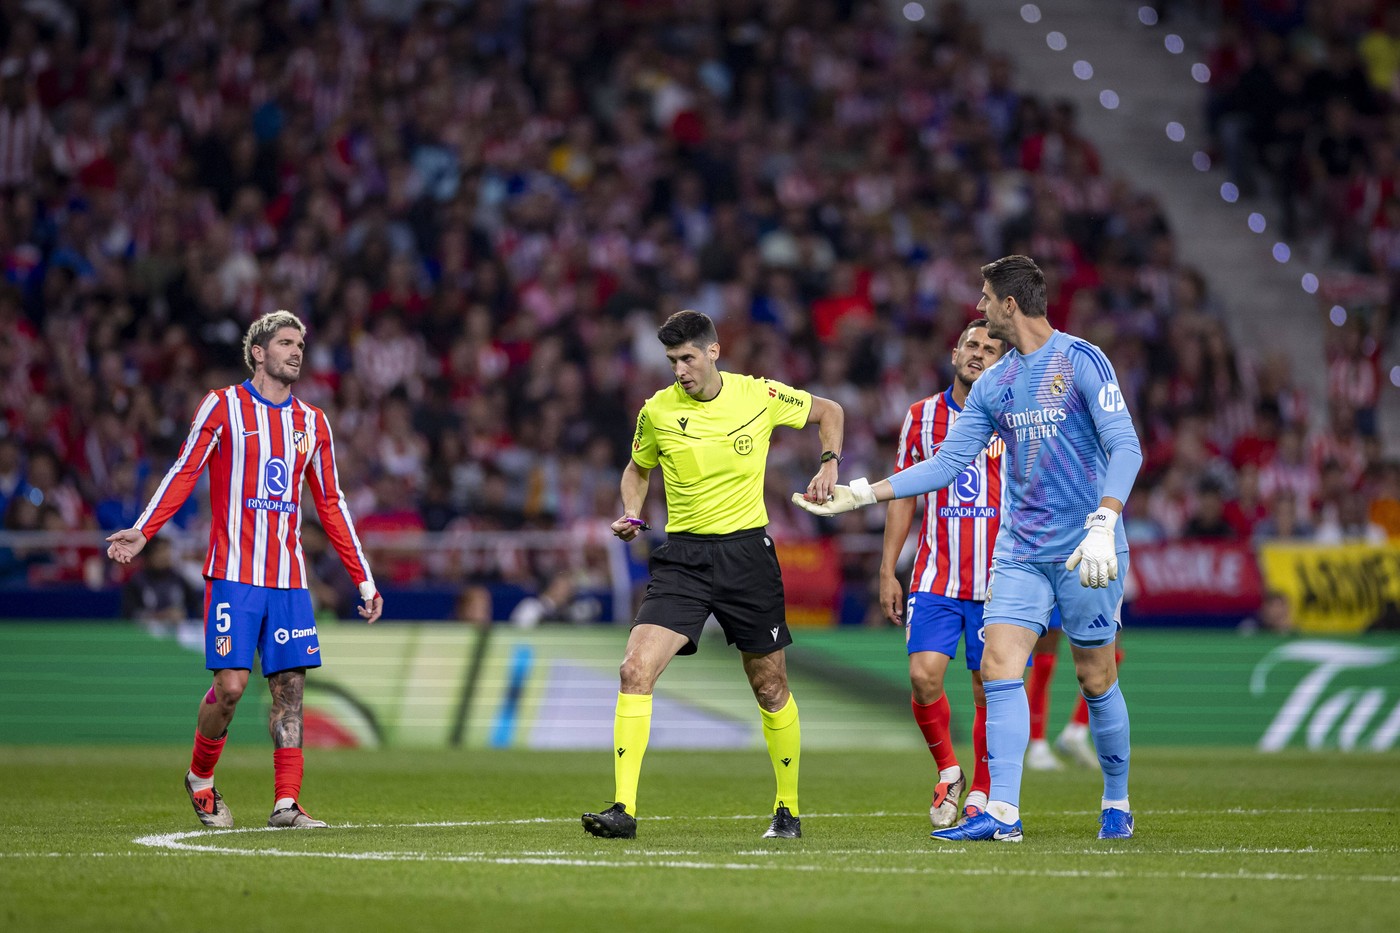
point(176, 842)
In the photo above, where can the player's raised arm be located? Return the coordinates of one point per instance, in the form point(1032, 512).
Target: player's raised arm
point(324, 480)
point(966, 439)
point(179, 482)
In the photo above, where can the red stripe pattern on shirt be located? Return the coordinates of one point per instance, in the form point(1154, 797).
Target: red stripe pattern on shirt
point(259, 456)
point(960, 526)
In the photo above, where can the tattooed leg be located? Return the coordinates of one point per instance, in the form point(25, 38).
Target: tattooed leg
point(284, 719)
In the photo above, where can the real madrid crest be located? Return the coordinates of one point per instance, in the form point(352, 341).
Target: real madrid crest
point(1057, 386)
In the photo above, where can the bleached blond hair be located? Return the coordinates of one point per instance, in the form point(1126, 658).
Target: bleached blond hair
point(261, 332)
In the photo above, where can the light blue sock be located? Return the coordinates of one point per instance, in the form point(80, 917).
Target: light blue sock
point(1008, 734)
point(1108, 724)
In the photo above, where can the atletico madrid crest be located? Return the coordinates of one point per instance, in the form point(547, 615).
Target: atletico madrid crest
point(302, 441)
point(223, 644)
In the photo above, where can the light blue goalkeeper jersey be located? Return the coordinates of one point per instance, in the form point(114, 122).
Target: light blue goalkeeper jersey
point(1069, 442)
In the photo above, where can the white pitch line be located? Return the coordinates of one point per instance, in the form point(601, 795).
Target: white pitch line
point(177, 842)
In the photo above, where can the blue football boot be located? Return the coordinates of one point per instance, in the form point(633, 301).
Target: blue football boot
point(981, 827)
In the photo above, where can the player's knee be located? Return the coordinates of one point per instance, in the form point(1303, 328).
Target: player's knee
point(228, 694)
point(771, 694)
point(635, 676)
point(1095, 681)
point(927, 686)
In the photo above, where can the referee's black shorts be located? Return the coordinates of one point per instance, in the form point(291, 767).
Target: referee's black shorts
point(734, 576)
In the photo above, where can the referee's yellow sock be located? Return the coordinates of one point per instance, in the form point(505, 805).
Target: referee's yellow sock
point(783, 733)
point(631, 729)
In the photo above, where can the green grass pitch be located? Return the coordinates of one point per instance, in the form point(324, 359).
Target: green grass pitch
point(103, 839)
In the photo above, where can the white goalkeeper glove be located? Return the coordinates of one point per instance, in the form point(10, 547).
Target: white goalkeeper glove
point(1096, 557)
point(843, 499)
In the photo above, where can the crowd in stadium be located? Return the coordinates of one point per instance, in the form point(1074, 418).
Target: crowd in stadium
point(483, 213)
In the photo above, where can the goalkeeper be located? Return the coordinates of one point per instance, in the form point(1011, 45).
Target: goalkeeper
point(1071, 458)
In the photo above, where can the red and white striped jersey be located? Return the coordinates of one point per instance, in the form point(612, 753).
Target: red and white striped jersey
point(954, 557)
point(259, 455)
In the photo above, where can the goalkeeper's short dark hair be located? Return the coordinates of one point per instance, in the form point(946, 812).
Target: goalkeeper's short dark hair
point(1020, 278)
point(690, 327)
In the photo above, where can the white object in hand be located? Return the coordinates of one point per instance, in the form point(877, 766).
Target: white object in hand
point(843, 499)
point(1097, 555)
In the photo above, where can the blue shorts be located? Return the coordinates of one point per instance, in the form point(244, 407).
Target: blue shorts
point(240, 618)
point(1026, 594)
point(933, 622)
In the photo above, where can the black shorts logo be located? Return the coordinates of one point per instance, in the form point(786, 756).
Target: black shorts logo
point(743, 445)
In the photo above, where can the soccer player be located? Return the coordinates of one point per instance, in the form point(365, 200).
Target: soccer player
point(1070, 451)
point(949, 582)
point(709, 432)
point(261, 444)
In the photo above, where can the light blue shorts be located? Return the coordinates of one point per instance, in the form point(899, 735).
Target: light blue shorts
point(1025, 594)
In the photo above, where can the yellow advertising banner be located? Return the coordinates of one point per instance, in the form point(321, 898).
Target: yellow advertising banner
point(1336, 589)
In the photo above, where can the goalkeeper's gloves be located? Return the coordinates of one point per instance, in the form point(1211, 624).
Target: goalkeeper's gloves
point(843, 499)
point(1096, 557)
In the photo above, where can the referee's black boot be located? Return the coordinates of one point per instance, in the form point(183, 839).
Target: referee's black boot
point(612, 823)
point(785, 826)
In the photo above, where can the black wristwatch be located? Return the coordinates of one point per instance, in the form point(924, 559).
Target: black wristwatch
point(829, 455)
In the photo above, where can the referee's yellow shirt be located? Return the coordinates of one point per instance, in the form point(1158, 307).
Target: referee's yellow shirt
point(713, 454)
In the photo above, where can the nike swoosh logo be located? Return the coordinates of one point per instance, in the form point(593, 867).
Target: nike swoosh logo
point(1001, 835)
point(249, 433)
point(313, 649)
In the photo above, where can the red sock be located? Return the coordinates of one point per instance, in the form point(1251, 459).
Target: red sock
point(206, 754)
point(286, 773)
point(1038, 691)
point(933, 723)
point(981, 777)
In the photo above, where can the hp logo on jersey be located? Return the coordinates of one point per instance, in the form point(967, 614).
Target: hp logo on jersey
point(968, 486)
point(1111, 399)
point(276, 476)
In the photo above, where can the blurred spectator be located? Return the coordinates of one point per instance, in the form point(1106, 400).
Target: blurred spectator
point(323, 572)
point(1385, 498)
point(1208, 516)
point(1283, 523)
point(1275, 617)
point(474, 606)
point(158, 594)
point(557, 601)
point(1247, 509)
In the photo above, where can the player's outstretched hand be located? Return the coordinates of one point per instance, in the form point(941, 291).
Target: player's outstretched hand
point(123, 546)
point(843, 499)
point(1096, 557)
point(372, 604)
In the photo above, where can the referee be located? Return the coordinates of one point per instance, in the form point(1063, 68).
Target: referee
point(709, 432)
